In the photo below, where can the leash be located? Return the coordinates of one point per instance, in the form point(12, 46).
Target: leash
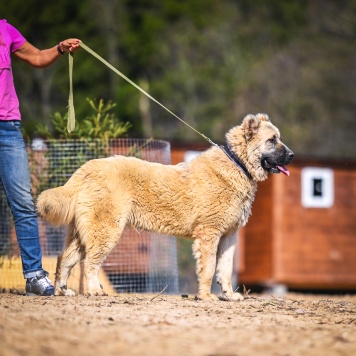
point(71, 112)
point(71, 119)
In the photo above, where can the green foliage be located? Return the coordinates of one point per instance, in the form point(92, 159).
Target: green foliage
point(210, 62)
point(68, 151)
point(102, 124)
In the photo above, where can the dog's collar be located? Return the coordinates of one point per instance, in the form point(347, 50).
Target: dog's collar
point(233, 157)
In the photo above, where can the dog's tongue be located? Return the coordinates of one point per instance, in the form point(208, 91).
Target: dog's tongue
point(284, 170)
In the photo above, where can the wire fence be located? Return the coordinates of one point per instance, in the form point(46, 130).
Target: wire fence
point(141, 261)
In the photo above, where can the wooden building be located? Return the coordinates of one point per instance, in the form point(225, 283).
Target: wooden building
point(302, 232)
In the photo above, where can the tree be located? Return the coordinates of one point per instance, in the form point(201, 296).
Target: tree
point(209, 62)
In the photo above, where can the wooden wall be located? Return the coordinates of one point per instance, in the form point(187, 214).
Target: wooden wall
point(316, 247)
point(302, 247)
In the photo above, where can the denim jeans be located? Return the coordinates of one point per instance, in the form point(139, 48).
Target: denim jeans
point(16, 180)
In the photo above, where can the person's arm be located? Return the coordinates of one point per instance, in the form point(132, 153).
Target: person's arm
point(43, 58)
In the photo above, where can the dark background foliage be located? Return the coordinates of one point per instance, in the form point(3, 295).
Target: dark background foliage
point(211, 62)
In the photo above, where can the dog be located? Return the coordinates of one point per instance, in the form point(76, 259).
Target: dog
point(207, 199)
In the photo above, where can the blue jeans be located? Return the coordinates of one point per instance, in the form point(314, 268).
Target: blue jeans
point(16, 180)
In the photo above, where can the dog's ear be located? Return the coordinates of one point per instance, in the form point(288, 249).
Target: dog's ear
point(263, 117)
point(250, 125)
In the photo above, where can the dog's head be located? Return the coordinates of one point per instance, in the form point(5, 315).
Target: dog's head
point(259, 144)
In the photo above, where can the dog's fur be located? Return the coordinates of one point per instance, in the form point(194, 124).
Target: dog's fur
point(207, 200)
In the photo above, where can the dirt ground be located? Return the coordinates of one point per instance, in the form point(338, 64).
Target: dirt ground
point(172, 325)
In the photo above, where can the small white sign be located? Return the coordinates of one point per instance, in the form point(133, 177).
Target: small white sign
point(317, 187)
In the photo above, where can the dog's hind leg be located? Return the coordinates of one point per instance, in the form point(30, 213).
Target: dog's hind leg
point(225, 262)
point(71, 255)
point(204, 249)
point(99, 244)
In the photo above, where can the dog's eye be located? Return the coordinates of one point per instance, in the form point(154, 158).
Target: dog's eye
point(273, 140)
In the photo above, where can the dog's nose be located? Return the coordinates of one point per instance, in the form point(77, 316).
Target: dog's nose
point(290, 155)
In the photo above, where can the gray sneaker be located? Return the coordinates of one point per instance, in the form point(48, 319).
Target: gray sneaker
point(39, 285)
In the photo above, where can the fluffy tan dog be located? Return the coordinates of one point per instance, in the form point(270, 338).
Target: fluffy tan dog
point(207, 200)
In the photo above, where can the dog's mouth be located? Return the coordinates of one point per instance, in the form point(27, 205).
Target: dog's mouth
point(274, 168)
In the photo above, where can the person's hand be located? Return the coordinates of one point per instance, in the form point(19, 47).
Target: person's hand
point(69, 45)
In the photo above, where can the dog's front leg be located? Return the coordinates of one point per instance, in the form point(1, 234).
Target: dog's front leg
point(204, 249)
point(225, 263)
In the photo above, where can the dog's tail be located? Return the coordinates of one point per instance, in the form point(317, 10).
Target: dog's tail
point(57, 205)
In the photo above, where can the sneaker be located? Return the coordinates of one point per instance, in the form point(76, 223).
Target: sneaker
point(39, 285)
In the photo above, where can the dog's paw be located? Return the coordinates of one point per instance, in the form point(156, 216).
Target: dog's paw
point(207, 296)
point(237, 297)
point(64, 292)
point(97, 292)
point(70, 293)
point(231, 297)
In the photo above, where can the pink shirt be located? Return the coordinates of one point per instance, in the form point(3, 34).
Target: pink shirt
point(10, 41)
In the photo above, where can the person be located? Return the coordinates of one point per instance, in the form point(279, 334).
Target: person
point(14, 166)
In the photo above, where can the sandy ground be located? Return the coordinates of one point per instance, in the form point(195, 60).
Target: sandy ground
point(172, 325)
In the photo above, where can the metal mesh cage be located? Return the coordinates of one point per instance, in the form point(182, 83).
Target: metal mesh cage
point(141, 261)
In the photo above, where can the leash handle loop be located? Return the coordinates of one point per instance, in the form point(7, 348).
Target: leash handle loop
point(71, 112)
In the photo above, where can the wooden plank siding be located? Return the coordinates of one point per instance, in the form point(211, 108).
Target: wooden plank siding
point(316, 247)
point(310, 247)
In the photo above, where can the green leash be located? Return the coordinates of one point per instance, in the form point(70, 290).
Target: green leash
point(71, 113)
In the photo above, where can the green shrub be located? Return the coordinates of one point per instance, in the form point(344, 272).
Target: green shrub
point(102, 124)
point(68, 151)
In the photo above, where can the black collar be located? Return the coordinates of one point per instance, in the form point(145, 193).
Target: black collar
point(236, 160)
